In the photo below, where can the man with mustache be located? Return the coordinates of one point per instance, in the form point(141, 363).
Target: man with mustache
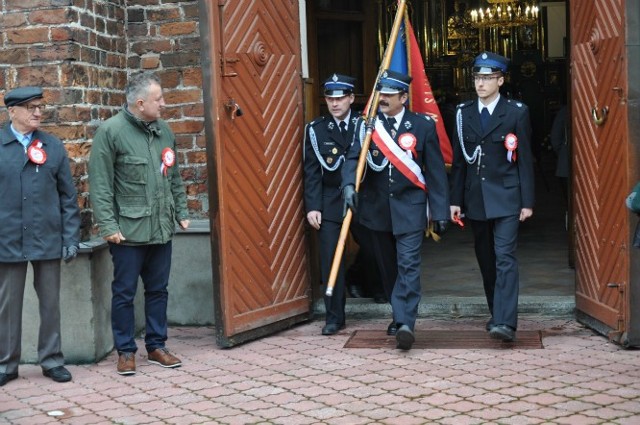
point(405, 183)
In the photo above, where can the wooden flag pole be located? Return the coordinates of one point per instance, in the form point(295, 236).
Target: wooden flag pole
point(370, 122)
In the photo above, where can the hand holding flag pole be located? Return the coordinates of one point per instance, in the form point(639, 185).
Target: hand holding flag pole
point(371, 113)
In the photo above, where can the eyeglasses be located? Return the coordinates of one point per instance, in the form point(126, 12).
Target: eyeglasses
point(32, 108)
point(484, 78)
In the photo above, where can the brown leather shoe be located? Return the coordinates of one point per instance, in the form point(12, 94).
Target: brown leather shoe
point(162, 357)
point(127, 363)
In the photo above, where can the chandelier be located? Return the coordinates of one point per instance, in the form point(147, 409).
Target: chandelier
point(504, 14)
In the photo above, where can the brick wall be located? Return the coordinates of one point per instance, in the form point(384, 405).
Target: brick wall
point(81, 51)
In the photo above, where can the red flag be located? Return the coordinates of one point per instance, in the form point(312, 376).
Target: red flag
point(420, 94)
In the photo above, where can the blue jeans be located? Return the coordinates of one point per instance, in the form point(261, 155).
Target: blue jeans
point(152, 263)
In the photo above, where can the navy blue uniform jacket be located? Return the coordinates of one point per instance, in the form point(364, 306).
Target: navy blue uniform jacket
point(387, 200)
point(496, 188)
point(322, 190)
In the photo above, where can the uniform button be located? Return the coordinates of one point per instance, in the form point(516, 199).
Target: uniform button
point(482, 179)
point(390, 180)
point(24, 228)
point(391, 195)
point(24, 199)
point(483, 165)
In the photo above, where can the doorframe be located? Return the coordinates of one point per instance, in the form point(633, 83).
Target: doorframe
point(632, 334)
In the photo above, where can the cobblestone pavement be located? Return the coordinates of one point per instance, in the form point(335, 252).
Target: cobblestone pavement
point(300, 377)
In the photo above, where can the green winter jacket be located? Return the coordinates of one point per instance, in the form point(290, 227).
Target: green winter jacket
point(129, 191)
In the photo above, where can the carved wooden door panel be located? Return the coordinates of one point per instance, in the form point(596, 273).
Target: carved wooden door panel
point(253, 63)
point(600, 151)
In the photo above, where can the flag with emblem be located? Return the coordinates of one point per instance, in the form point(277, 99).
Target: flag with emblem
point(407, 59)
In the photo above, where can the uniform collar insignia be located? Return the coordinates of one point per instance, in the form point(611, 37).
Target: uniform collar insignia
point(407, 125)
point(331, 125)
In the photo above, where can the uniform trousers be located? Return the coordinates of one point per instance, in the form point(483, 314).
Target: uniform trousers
point(398, 258)
point(495, 243)
point(152, 263)
point(46, 282)
point(329, 234)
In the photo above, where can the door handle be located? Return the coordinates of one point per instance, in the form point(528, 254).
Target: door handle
point(233, 108)
point(599, 120)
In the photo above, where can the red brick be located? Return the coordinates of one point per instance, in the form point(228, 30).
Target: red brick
point(172, 113)
point(174, 97)
point(15, 56)
point(74, 75)
point(62, 34)
point(151, 46)
point(177, 28)
point(150, 62)
point(74, 113)
point(65, 132)
point(28, 5)
point(182, 127)
point(57, 52)
point(196, 189)
point(197, 157)
point(28, 35)
point(164, 14)
point(78, 150)
point(194, 205)
point(184, 142)
point(169, 79)
point(12, 20)
point(192, 77)
point(201, 141)
point(49, 16)
point(193, 111)
point(35, 75)
point(180, 59)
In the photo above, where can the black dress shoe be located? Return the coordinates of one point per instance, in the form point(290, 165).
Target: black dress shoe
point(502, 332)
point(6, 377)
point(392, 328)
point(489, 325)
point(404, 338)
point(58, 374)
point(380, 298)
point(332, 328)
point(355, 291)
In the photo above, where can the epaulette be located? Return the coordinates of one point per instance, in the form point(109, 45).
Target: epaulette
point(515, 103)
point(465, 104)
point(425, 116)
point(316, 121)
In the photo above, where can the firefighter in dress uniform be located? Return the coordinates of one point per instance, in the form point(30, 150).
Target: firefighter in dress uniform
point(326, 141)
point(493, 184)
point(405, 180)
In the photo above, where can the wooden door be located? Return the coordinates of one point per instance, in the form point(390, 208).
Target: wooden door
point(251, 60)
point(600, 167)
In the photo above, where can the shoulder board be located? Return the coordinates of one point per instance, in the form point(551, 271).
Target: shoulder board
point(465, 104)
point(425, 116)
point(316, 121)
point(515, 103)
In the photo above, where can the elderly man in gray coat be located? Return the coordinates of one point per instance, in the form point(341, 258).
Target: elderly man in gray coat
point(40, 224)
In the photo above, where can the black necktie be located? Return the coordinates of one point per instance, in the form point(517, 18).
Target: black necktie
point(484, 118)
point(392, 125)
point(343, 129)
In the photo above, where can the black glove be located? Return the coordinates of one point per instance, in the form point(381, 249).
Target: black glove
point(69, 253)
point(440, 226)
point(350, 197)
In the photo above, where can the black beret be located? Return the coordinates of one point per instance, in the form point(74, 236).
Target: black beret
point(22, 95)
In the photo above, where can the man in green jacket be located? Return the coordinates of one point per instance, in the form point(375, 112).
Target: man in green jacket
point(137, 197)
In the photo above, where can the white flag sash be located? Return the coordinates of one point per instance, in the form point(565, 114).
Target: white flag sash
point(400, 158)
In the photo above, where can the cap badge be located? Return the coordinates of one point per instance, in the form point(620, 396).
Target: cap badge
point(484, 56)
